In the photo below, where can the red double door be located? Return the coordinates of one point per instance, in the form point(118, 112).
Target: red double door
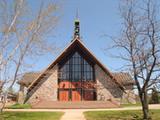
point(66, 95)
point(76, 95)
point(63, 95)
point(73, 91)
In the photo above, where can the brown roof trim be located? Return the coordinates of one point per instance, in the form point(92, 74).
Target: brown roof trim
point(102, 66)
point(65, 51)
point(52, 64)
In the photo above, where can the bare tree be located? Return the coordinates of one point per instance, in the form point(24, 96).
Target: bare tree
point(23, 35)
point(139, 45)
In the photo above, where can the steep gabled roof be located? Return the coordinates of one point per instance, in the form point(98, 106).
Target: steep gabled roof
point(124, 78)
point(28, 78)
point(74, 44)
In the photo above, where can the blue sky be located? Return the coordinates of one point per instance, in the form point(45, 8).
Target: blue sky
point(97, 18)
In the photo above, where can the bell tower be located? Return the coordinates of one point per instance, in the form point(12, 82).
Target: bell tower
point(76, 29)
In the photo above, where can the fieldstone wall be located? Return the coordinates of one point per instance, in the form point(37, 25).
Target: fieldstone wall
point(107, 89)
point(46, 91)
point(22, 94)
point(21, 97)
point(128, 97)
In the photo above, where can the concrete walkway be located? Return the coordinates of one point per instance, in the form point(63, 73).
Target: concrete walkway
point(73, 115)
point(77, 114)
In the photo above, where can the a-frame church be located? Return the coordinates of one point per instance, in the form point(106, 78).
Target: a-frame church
point(76, 75)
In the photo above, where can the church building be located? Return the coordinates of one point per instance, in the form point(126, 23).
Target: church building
point(76, 77)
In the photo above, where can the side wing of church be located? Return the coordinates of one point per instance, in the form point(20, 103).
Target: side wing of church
point(76, 75)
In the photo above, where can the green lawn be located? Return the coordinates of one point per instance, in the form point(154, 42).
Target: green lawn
point(120, 115)
point(131, 105)
point(31, 115)
point(19, 106)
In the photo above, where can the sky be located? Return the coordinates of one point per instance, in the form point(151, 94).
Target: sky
point(98, 18)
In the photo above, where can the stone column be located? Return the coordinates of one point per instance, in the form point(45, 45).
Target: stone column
point(21, 95)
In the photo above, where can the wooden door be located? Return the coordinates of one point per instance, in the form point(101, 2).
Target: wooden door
point(88, 95)
point(76, 95)
point(64, 95)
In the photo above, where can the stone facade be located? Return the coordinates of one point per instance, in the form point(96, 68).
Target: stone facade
point(107, 89)
point(128, 97)
point(22, 94)
point(46, 91)
point(21, 97)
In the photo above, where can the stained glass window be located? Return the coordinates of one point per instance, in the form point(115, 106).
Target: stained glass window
point(76, 69)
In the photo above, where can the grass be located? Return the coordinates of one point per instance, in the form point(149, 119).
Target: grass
point(31, 115)
point(120, 115)
point(19, 106)
point(131, 105)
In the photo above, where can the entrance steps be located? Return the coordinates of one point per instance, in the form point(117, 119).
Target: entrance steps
point(75, 105)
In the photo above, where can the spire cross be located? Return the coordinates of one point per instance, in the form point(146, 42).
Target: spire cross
point(77, 14)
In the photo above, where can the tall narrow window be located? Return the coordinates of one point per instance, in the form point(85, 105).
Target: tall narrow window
point(73, 79)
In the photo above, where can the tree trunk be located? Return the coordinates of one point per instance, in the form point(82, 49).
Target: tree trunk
point(145, 109)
